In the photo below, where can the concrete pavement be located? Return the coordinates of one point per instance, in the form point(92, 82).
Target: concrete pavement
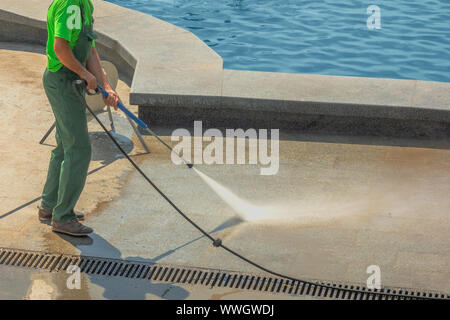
point(28, 284)
point(352, 201)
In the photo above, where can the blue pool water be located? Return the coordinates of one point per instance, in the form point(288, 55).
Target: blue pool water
point(324, 37)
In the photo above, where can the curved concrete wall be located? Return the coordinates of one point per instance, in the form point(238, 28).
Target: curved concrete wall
point(153, 52)
point(175, 77)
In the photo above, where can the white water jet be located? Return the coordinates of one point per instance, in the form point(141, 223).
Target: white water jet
point(244, 209)
point(316, 208)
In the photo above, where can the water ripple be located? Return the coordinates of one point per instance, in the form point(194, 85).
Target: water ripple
point(326, 37)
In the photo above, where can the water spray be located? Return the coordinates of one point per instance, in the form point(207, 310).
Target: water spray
point(216, 242)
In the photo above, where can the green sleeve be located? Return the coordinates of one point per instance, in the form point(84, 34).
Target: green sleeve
point(91, 6)
point(66, 19)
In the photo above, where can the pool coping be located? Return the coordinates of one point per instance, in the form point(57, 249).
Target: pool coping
point(174, 68)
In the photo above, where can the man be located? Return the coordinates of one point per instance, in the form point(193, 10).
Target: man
point(71, 55)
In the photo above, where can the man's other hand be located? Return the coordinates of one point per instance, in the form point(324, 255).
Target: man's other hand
point(90, 79)
point(113, 98)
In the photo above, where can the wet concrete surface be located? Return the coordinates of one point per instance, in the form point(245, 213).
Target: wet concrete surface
point(353, 206)
point(346, 203)
point(28, 284)
point(349, 206)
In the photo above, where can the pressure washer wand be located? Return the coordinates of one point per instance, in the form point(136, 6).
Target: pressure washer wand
point(141, 123)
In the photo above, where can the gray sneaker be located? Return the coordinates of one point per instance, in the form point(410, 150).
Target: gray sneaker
point(71, 227)
point(46, 214)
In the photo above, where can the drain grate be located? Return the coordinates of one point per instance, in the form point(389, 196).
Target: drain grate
point(55, 262)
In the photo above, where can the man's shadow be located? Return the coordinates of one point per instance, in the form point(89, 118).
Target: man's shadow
point(117, 287)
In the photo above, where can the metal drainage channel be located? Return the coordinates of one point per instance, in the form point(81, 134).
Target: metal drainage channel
point(56, 262)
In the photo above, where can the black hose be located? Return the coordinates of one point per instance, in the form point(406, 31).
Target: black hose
point(134, 163)
point(218, 242)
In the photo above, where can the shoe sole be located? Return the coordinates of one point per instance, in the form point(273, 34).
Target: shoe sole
point(71, 233)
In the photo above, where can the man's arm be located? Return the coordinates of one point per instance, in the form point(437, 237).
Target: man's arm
point(93, 64)
point(67, 58)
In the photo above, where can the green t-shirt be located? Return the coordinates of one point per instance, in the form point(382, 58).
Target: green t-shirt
point(64, 21)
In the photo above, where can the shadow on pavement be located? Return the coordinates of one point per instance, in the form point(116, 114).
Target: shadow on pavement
point(125, 288)
point(118, 287)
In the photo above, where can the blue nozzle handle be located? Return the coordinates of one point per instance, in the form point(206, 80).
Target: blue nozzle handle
point(127, 112)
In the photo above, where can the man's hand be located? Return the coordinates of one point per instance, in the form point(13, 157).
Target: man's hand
point(90, 79)
point(113, 97)
point(67, 58)
point(94, 65)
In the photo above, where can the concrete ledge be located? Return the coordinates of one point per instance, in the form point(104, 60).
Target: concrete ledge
point(337, 95)
point(173, 74)
point(165, 56)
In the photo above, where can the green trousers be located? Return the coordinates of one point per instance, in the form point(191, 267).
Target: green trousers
point(70, 159)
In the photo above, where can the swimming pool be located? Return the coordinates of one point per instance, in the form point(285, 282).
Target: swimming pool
point(322, 37)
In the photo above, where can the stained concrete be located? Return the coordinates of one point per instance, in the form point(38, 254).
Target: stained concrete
point(28, 284)
point(356, 201)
